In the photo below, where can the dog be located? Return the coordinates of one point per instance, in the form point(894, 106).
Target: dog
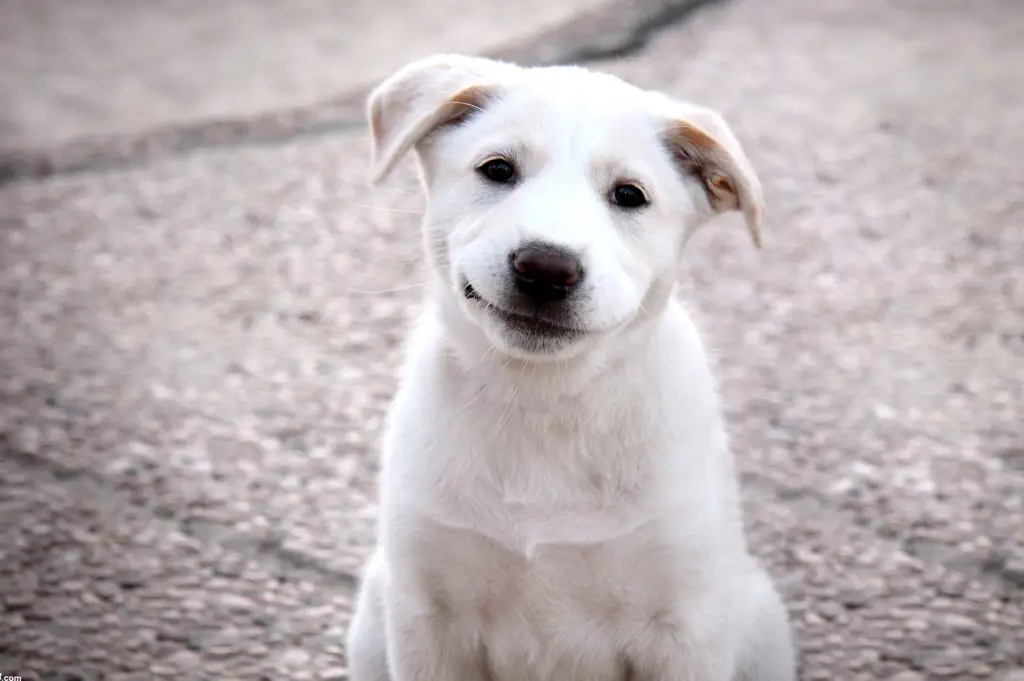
point(558, 499)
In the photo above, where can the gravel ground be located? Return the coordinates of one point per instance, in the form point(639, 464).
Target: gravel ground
point(196, 354)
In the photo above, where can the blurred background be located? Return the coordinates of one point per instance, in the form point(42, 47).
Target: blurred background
point(202, 304)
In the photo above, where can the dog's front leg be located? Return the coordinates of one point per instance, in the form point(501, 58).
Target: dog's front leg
point(426, 644)
point(684, 652)
point(702, 665)
point(690, 669)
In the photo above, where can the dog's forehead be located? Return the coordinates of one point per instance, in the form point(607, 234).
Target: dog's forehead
point(575, 80)
point(570, 104)
point(570, 93)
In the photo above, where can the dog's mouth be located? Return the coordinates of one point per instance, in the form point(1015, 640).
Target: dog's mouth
point(530, 324)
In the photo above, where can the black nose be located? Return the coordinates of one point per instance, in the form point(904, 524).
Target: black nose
point(545, 273)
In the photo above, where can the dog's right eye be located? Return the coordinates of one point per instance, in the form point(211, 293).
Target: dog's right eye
point(498, 170)
point(629, 196)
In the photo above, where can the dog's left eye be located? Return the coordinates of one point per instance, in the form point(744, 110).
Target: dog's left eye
point(498, 170)
point(629, 196)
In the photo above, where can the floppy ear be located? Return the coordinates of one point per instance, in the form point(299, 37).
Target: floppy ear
point(705, 147)
point(423, 96)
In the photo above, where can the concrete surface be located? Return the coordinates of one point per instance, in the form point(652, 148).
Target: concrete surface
point(114, 66)
point(196, 353)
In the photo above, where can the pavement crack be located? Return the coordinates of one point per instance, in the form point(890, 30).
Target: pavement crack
point(618, 29)
point(629, 42)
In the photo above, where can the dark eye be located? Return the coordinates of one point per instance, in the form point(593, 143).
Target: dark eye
point(498, 170)
point(629, 196)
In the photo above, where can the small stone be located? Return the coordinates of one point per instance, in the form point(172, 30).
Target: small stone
point(221, 651)
point(130, 580)
point(959, 623)
point(853, 598)
point(19, 600)
point(863, 660)
point(184, 659)
point(257, 649)
point(907, 676)
point(193, 604)
point(917, 624)
point(294, 659)
point(831, 610)
point(106, 589)
point(89, 598)
point(228, 569)
point(953, 587)
point(339, 674)
point(1013, 571)
point(236, 603)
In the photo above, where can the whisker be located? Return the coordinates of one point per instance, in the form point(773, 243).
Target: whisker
point(470, 105)
point(388, 210)
point(386, 290)
point(509, 400)
point(393, 188)
point(473, 400)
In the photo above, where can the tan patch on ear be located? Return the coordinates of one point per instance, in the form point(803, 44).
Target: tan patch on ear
point(722, 192)
point(376, 121)
point(701, 149)
point(696, 137)
point(402, 118)
point(726, 177)
point(466, 103)
point(754, 215)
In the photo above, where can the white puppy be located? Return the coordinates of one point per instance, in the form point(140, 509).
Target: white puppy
point(558, 500)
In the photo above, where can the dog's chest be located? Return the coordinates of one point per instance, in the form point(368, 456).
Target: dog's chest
point(546, 491)
point(560, 613)
point(524, 521)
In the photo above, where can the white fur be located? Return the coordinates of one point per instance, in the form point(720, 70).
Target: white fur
point(561, 509)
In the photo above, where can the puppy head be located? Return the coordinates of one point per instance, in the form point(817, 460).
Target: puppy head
point(559, 199)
